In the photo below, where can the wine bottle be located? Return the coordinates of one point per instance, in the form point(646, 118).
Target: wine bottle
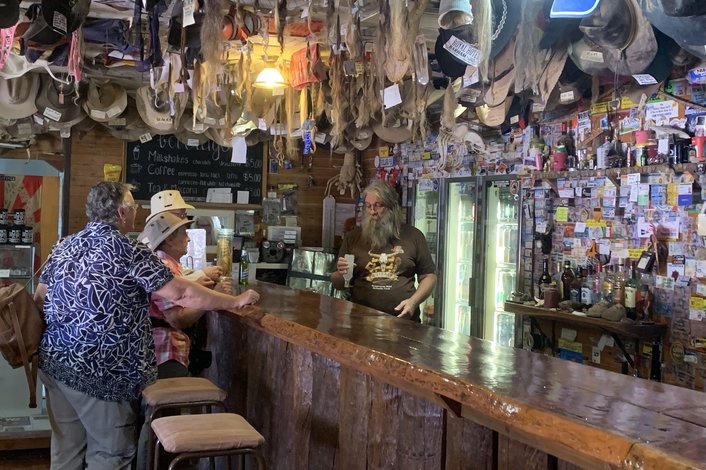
point(567, 277)
point(545, 279)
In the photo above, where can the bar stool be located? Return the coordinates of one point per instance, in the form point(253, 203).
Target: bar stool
point(177, 393)
point(206, 435)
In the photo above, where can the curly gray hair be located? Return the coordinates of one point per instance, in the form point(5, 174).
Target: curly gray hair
point(104, 199)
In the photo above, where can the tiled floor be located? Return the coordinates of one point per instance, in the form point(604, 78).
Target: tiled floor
point(35, 459)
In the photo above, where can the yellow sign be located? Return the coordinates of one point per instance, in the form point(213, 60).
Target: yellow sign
point(627, 103)
point(697, 303)
point(562, 214)
point(600, 108)
point(570, 345)
point(384, 151)
point(595, 223)
point(635, 253)
point(426, 156)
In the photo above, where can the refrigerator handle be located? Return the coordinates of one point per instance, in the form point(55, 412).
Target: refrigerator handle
point(470, 290)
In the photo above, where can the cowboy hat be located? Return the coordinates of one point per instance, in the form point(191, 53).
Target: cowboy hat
point(493, 116)
point(18, 65)
point(105, 102)
point(359, 138)
point(222, 137)
point(128, 126)
point(191, 139)
point(17, 96)
point(624, 35)
point(167, 200)
point(685, 30)
point(155, 109)
point(159, 228)
point(392, 135)
point(56, 102)
point(588, 57)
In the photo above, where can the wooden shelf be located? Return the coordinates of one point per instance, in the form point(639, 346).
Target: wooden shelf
point(616, 172)
point(628, 330)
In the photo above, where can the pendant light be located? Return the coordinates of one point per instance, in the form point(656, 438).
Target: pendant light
point(270, 78)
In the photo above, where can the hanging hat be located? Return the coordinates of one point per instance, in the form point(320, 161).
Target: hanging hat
point(501, 73)
point(54, 20)
point(24, 129)
point(158, 228)
point(18, 65)
point(392, 135)
point(493, 116)
point(191, 139)
point(222, 137)
point(573, 8)
point(9, 13)
point(684, 7)
point(453, 13)
point(129, 125)
point(105, 102)
point(56, 102)
point(624, 35)
point(17, 96)
point(450, 65)
point(685, 30)
point(549, 76)
point(155, 110)
point(359, 138)
point(167, 200)
point(588, 57)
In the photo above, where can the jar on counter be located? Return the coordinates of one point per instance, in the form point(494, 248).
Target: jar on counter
point(551, 297)
point(4, 229)
point(14, 235)
point(27, 235)
point(18, 217)
point(3, 216)
point(224, 251)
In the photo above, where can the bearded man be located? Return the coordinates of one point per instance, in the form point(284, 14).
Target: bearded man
point(389, 255)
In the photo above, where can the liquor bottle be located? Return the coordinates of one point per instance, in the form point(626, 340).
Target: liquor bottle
point(567, 277)
point(576, 286)
point(619, 284)
point(545, 279)
point(608, 280)
point(587, 289)
point(244, 268)
point(598, 283)
point(644, 159)
point(631, 294)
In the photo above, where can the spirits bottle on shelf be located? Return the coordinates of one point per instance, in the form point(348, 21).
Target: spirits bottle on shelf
point(567, 277)
point(545, 279)
point(631, 294)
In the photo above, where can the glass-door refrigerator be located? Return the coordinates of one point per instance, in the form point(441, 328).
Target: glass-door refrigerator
point(425, 217)
point(456, 269)
point(500, 243)
point(478, 255)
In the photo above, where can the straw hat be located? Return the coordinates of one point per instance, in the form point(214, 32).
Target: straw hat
point(191, 139)
point(155, 110)
point(167, 200)
point(159, 228)
point(17, 96)
point(105, 102)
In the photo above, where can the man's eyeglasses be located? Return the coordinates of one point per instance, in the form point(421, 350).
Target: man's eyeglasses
point(377, 206)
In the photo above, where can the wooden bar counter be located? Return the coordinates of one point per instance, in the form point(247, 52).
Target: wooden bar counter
point(334, 385)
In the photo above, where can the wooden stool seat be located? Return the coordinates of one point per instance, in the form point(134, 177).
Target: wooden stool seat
point(182, 390)
point(206, 432)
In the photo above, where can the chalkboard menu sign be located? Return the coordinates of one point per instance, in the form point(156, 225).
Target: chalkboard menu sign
point(165, 163)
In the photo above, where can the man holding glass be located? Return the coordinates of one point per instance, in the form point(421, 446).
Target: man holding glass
point(389, 257)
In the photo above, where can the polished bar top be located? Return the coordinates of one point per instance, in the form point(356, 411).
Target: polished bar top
point(606, 417)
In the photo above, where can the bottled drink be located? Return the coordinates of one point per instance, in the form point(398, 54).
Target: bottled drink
point(244, 268)
point(644, 160)
point(545, 279)
point(598, 283)
point(619, 285)
point(567, 277)
point(608, 280)
point(587, 289)
point(631, 294)
point(576, 286)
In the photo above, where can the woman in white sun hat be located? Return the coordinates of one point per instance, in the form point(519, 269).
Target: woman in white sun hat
point(171, 201)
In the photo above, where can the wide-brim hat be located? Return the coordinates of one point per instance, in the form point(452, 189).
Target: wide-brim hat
point(155, 110)
point(684, 7)
point(56, 19)
point(158, 228)
point(18, 96)
point(105, 102)
point(56, 101)
point(625, 36)
point(222, 137)
point(392, 135)
point(191, 139)
point(549, 76)
point(9, 13)
point(24, 129)
point(360, 138)
point(17, 65)
point(129, 125)
point(191, 125)
point(501, 72)
point(494, 116)
point(167, 200)
point(685, 30)
point(588, 57)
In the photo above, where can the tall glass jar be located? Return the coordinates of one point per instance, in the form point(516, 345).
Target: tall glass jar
point(224, 251)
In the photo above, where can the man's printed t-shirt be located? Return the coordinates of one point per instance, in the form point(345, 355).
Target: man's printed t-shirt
point(98, 339)
point(383, 279)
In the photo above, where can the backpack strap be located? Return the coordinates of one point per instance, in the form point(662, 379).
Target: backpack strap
point(30, 371)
